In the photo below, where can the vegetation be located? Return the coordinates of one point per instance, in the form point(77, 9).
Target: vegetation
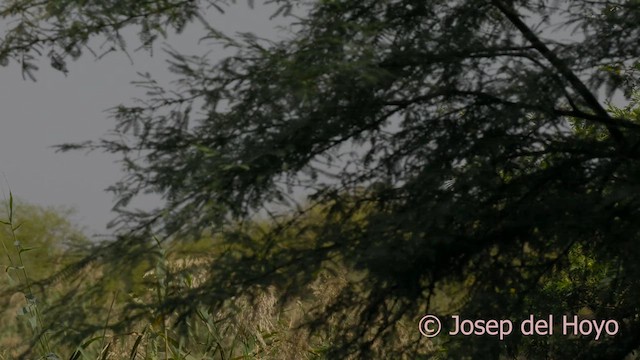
point(453, 157)
point(55, 313)
point(52, 243)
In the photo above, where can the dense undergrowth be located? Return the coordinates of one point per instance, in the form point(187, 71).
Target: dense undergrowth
point(64, 297)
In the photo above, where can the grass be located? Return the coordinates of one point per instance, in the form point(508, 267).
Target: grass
point(154, 300)
point(17, 272)
point(244, 328)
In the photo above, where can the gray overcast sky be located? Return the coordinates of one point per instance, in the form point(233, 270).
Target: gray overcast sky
point(58, 109)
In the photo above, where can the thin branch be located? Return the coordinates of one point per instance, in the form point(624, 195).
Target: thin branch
point(564, 70)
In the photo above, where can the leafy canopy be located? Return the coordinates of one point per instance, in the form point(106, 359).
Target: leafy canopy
point(445, 142)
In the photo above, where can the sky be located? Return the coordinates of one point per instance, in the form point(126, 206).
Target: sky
point(58, 109)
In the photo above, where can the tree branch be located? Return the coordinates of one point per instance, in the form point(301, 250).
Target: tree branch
point(564, 70)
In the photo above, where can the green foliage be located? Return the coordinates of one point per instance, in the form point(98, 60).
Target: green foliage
point(124, 309)
point(62, 29)
point(446, 147)
point(48, 233)
point(51, 238)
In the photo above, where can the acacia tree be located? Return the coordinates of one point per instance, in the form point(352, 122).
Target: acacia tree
point(446, 141)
